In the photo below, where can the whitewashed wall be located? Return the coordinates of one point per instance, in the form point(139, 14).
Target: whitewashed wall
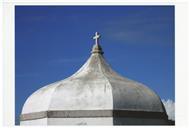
point(35, 122)
point(94, 121)
point(80, 121)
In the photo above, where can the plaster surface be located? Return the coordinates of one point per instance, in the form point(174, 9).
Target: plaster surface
point(34, 122)
point(80, 121)
point(95, 86)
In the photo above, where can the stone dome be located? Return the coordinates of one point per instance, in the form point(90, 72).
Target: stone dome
point(95, 86)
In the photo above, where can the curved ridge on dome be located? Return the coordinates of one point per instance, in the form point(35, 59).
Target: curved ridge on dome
point(95, 86)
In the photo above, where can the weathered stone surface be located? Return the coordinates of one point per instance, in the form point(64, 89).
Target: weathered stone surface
point(95, 86)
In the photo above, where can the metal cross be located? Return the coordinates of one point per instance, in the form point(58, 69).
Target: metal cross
point(96, 37)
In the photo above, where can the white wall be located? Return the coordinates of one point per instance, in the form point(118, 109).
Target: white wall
point(94, 121)
point(80, 121)
point(69, 121)
point(35, 122)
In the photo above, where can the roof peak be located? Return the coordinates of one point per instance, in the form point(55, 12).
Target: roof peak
point(96, 47)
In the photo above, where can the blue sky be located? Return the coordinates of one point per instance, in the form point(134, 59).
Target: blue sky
point(53, 42)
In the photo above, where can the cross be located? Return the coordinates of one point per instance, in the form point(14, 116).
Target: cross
point(96, 38)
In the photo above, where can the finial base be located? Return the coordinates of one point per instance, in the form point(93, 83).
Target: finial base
point(97, 49)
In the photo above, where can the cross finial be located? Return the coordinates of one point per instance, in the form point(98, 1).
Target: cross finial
point(96, 38)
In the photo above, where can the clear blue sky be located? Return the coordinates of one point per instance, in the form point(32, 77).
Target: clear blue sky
point(53, 42)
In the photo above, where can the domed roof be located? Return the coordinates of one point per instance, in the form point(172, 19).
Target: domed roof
point(95, 86)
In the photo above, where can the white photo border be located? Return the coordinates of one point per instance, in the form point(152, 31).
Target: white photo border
point(7, 67)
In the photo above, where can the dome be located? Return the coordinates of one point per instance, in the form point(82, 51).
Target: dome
point(95, 86)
